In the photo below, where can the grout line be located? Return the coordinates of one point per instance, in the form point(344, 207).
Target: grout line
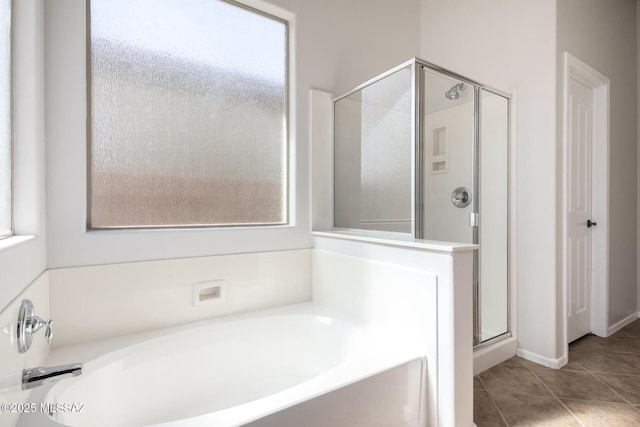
point(556, 397)
point(610, 388)
point(495, 405)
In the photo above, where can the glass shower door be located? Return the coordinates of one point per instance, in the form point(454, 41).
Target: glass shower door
point(493, 281)
point(448, 152)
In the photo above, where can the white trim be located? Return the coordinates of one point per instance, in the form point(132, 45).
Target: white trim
point(621, 324)
point(12, 241)
point(22, 256)
point(390, 239)
point(513, 218)
point(637, 163)
point(599, 83)
point(321, 159)
point(541, 360)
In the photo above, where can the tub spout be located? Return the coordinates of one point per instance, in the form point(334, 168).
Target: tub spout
point(35, 377)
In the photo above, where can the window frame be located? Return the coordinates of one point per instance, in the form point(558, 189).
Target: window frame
point(23, 253)
point(69, 242)
point(11, 230)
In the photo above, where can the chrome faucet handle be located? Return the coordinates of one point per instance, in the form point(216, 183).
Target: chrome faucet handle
point(28, 324)
point(48, 333)
point(34, 324)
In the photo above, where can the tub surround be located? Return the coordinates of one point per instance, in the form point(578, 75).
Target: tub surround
point(158, 294)
point(429, 290)
point(399, 241)
point(390, 391)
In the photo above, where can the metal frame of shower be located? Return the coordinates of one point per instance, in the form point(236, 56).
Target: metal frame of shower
point(417, 172)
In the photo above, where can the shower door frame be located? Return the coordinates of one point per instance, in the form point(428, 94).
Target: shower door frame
point(418, 167)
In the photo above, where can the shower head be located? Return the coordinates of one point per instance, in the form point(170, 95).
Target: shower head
point(454, 93)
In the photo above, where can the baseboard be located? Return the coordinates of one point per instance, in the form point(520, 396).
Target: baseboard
point(493, 355)
point(541, 360)
point(621, 324)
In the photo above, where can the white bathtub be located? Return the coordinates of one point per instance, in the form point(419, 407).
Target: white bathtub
point(236, 370)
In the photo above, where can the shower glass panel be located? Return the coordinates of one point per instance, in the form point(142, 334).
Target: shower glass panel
point(493, 208)
point(424, 153)
point(448, 132)
point(373, 156)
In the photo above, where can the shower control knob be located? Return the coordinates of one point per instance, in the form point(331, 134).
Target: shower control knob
point(591, 223)
point(461, 197)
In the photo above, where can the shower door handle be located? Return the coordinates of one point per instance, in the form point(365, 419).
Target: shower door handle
point(591, 223)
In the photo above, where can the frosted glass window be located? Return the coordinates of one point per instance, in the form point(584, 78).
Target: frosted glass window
point(5, 118)
point(188, 115)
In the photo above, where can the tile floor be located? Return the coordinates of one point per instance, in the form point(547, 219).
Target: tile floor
point(600, 386)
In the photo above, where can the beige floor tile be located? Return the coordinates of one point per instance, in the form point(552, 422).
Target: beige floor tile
point(590, 342)
point(603, 362)
point(533, 365)
point(577, 385)
point(632, 358)
point(627, 386)
point(512, 380)
point(485, 413)
point(600, 414)
point(600, 385)
point(622, 344)
point(632, 329)
point(538, 411)
point(573, 365)
point(515, 361)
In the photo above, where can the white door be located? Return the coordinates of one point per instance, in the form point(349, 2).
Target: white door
point(579, 226)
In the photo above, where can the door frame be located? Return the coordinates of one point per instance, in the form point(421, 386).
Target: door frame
point(599, 83)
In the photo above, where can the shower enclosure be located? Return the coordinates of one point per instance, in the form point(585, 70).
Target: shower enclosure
point(421, 152)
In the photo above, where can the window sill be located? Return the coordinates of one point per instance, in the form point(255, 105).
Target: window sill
point(13, 241)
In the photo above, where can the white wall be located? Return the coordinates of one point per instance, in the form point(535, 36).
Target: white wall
point(638, 150)
point(12, 363)
point(511, 45)
point(336, 46)
point(603, 34)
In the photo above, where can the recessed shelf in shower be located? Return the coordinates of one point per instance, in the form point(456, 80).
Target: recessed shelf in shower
point(439, 150)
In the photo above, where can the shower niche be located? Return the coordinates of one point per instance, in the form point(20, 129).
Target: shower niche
point(421, 152)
